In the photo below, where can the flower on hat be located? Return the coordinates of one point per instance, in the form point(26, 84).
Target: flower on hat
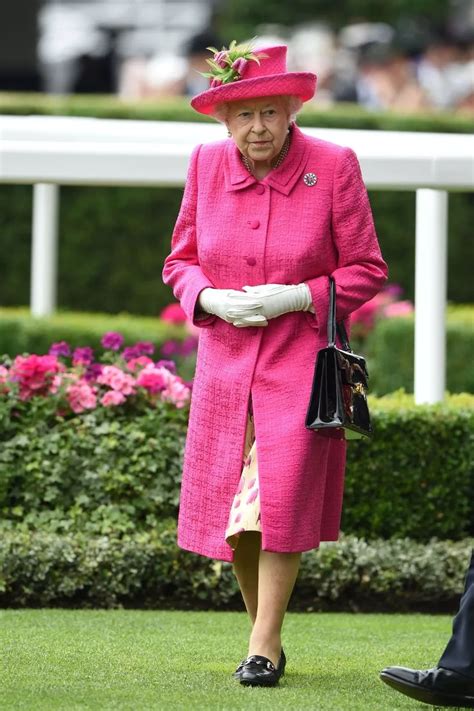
point(229, 65)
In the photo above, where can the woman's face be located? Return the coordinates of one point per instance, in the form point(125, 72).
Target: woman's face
point(259, 127)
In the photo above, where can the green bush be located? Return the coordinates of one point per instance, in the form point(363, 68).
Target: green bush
point(343, 115)
point(113, 241)
point(100, 472)
point(390, 351)
point(416, 477)
point(388, 348)
point(147, 569)
point(108, 471)
point(22, 333)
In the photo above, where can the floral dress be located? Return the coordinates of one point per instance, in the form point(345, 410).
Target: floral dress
point(244, 514)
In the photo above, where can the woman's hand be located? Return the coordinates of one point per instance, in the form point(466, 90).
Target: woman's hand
point(278, 299)
point(235, 307)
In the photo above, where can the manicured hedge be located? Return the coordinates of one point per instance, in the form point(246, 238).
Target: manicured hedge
point(342, 115)
point(389, 347)
point(108, 471)
point(390, 352)
point(147, 569)
point(416, 477)
point(113, 241)
point(22, 333)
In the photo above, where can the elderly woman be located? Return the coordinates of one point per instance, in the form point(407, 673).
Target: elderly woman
point(268, 214)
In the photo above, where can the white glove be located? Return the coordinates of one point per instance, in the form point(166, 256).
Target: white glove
point(233, 306)
point(280, 299)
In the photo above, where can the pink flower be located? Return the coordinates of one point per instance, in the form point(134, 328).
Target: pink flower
point(3, 380)
point(189, 345)
point(116, 379)
point(366, 314)
point(177, 392)
point(394, 291)
point(173, 313)
point(192, 329)
point(154, 379)
point(56, 384)
point(215, 83)
point(240, 65)
point(170, 347)
point(398, 308)
point(112, 340)
point(220, 58)
point(112, 398)
point(140, 361)
point(63, 379)
point(35, 374)
point(62, 348)
point(82, 356)
point(81, 396)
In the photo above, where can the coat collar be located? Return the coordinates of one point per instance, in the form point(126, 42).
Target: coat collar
point(282, 178)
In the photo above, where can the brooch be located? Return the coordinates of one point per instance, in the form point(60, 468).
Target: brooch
point(310, 179)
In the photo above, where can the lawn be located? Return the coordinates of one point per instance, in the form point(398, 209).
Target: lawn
point(138, 660)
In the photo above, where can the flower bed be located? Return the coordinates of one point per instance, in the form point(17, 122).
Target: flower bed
point(73, 381)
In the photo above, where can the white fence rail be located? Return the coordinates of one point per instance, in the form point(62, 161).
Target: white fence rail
point(47, 152)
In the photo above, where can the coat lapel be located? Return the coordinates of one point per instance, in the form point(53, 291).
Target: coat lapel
point(282, 178)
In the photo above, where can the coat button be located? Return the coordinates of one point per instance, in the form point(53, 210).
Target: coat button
point(254, 224)
point(252, 261)
point(260, 189)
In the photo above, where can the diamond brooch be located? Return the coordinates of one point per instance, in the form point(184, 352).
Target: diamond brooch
point(310, 179)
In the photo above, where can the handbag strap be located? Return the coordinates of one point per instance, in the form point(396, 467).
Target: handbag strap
point(334, 327)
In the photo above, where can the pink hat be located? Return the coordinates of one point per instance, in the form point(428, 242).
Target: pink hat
point(252, 80)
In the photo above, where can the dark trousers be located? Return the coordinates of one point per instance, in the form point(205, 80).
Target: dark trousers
point(459, 654)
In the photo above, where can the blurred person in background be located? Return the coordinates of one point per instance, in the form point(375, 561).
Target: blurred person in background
point(197, 52)
point(314, 47)
point(169, 74)
point(445, 70)
point(438, 69)
point(66, 35)
point(387, 80)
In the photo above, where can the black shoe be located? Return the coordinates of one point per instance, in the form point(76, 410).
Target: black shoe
point(438, 686)
point(260, 671)
point(239, 669)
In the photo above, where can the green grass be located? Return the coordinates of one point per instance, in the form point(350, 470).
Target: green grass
point(138, 660)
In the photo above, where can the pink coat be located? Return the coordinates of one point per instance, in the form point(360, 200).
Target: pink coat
point(234, 230)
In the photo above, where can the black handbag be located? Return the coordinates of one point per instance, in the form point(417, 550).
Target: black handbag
point(338, 402)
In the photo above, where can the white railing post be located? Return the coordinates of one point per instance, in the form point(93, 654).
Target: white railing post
point(44, 249)
point(430, 295)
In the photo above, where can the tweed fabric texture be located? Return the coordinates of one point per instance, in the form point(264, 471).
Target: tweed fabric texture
point(234, 230)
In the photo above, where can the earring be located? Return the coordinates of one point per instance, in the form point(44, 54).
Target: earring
point(229, 134)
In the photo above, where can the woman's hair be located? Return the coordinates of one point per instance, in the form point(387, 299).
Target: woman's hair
point(293, 105)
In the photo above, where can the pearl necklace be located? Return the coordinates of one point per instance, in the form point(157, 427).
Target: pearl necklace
point(281, 157)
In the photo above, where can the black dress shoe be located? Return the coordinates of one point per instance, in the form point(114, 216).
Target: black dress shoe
point(438, 686)
point(240, 668)
point(260, 671)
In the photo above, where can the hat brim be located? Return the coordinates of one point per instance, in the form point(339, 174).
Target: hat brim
point(301, 84)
